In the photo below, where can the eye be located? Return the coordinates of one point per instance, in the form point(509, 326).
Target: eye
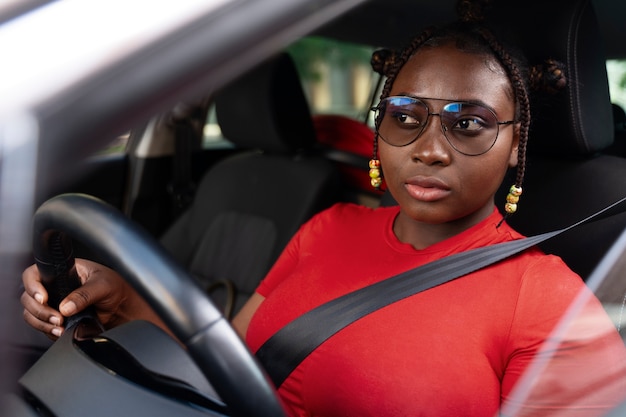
point(468, 125)
point(404, 119)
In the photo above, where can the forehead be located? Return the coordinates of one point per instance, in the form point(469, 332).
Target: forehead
point(447, 72)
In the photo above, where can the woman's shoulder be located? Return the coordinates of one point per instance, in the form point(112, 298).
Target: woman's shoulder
point(547, 271)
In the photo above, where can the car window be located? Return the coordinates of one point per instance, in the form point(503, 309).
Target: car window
point(616, 70)
point(212, 137)
point(336, 76)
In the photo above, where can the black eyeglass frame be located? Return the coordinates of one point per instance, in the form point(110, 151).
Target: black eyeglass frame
point(377, 111)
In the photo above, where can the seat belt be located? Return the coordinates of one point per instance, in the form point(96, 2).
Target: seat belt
point(288, 347)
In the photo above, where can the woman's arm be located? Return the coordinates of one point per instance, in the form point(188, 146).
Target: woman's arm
point(242, 319)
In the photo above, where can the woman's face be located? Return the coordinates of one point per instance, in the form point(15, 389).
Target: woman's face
point(432, 182)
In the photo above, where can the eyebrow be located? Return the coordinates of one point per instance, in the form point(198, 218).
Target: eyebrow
point(450, 100)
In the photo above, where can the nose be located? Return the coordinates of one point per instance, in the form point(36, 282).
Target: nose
point(431, 147)
point(442, 125)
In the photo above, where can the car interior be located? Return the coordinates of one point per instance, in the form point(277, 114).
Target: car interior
point(281, 164)
point(265, 194)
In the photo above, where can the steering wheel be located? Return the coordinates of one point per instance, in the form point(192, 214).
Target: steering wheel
point(174, 295)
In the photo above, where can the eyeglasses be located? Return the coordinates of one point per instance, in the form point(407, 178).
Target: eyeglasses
point(470, 128)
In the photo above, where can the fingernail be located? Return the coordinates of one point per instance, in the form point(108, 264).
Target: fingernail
point(57, 332)
point(39, 298)
point(68, 308)
point(55, 320)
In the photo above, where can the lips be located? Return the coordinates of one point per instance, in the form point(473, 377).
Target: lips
point(427, 189)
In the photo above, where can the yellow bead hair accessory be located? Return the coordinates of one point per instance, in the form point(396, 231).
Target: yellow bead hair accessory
point(375, 177)
point(512, 199)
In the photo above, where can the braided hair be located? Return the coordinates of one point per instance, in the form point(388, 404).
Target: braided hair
point(469, 36)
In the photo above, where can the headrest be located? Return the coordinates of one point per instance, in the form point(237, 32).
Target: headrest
point(266, 109)
point(578, 120)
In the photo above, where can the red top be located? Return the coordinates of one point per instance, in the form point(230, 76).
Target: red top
point(456, 349)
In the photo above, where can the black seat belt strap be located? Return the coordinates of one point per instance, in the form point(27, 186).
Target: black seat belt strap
point(288, 347)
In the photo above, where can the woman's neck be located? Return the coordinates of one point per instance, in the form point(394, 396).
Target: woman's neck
point(421, 235)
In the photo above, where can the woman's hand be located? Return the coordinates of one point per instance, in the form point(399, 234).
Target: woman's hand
point(114, 300)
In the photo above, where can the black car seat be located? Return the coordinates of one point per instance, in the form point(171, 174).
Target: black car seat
point(249, 205)
point(569, 175)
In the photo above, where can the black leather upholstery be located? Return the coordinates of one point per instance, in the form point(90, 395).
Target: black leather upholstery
point(248, 206)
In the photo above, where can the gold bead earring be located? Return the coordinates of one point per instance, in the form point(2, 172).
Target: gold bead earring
point(512, 198)
point(375, 175)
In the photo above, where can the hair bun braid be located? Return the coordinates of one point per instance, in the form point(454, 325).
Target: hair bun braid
point(548, 76)
point(472, 11)
point(383, 60)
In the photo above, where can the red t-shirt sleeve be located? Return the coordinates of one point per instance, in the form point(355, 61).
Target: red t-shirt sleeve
point(285, 264)
point(581, 367)
point(288, 260)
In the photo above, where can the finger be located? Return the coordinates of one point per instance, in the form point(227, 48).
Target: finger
point(83, 268)
point(41, 312)
point(95, 289)
point(50, 330)
point(91, 291)
point(42, 317)
point(87, 269)
point(75, 302)
point(33, 286)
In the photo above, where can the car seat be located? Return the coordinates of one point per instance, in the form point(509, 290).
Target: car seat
point(569, 175)
point(248, 205)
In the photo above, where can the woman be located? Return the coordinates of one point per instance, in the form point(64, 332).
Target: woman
point(453, 119)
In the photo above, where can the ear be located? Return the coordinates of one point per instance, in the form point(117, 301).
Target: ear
point(513, 158)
